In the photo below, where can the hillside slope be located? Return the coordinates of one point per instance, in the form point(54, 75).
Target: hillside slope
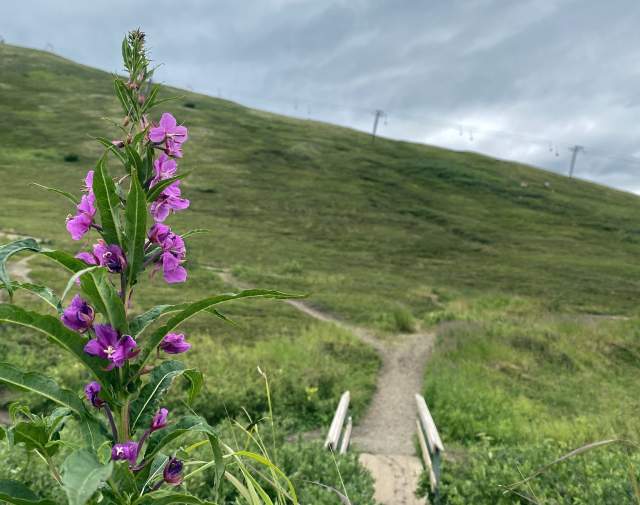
point(323, 209)
point(524, 268)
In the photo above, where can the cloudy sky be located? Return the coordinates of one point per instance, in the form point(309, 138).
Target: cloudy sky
point(517, 79)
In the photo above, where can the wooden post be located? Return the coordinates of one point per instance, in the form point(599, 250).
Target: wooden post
point(426, 458)
point(433, 441)
point(333, 437)
point(346, 437)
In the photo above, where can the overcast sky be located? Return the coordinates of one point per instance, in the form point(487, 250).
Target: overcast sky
point(517, 79)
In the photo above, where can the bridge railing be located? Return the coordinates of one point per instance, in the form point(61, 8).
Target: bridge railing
point(339, 435)
point(431, 445)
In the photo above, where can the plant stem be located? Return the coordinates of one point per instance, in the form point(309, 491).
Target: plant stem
point(124, 419)
point(114, 430)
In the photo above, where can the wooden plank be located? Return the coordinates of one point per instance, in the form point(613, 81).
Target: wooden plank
point(333, 437)
point(429, 426)
point(346, 437)
point(425, 457)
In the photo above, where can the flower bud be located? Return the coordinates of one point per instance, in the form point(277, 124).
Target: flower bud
point(91, 391)
point(79, 315)
point(172, 473)
point(159, 420)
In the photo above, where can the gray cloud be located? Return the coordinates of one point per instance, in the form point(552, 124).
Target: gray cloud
point(515, 76)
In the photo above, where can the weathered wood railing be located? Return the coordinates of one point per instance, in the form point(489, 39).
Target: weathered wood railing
point(431, 445)
point(338, 439)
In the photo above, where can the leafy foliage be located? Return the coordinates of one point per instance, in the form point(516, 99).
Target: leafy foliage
point(120, 460)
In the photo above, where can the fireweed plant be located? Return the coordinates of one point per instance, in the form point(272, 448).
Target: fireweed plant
point(124, 454)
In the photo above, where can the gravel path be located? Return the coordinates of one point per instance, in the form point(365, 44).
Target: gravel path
point(385, 434)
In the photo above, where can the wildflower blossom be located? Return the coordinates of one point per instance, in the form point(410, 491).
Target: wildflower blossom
point(110, 256)
point(172, 257)
point(159, 419)
point(172, 472)
point(109, 345)
point(158, 233)
point(164, 167)
point(79, 225)
point(169, 132)
point(174, 343)
point(126, 451)
point(79, 315)
point(170, 200)
point(91, 391)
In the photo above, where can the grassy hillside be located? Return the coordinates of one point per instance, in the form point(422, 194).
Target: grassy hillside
point(512, 262)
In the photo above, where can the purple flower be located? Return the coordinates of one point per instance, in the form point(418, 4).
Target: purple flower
point(128, 451)
point(79, 315)
point(87, 257)
point(80, 224)
point(109, 345)
point(169, 132)
point(169, 200)
point(110, 256)
point(172, 473)
point(174, 343)
point(91, 391)
point(173, 255)
point(165, 167)
point(173, 148)
point(158, 233)
point(159, 420)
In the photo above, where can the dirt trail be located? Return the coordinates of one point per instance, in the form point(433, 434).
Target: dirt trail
point(385, 434)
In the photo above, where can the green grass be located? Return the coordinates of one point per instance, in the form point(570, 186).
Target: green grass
point(509, 259)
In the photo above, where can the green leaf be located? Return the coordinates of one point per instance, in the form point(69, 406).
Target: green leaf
point(32, 434)
point(87, 283)
point(186, 424)
point(218, 458)
point(43, 292)
point(35, 382)
point(82, 475)
point(168, 497)
point(135, 229)
point(139, 323)
point(160, 379)
point(202, 305)
point(129, 105)
point(155, 191)
point(72, 280)
point(151, 99)
point(108, 203)
point(8, 250)
point(66, 194)
point(108, 300)
point(16, 493)
point(155, 469)
point(57, 333)
point(110, 147)
point(196, 231)
point(196, 380)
